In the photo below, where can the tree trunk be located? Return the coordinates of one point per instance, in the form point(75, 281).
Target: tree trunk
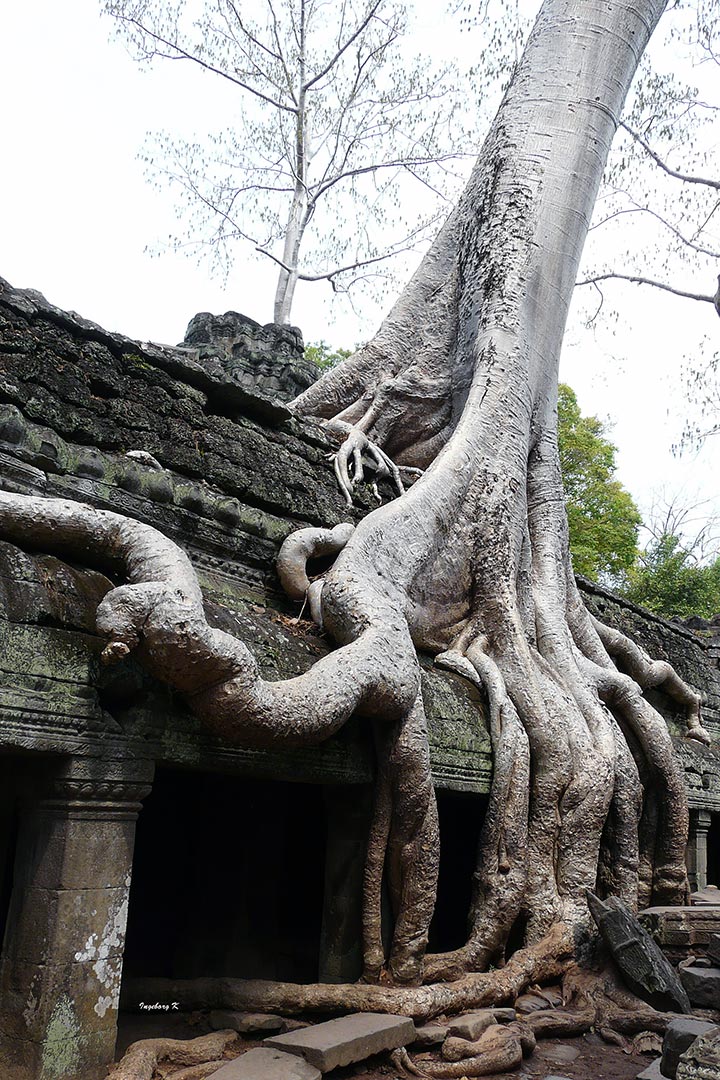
point(472, 563)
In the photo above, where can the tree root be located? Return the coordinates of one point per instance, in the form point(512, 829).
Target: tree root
point(305, 544)
point(456, 1049)
point(601, 1005)
point(142, 1058)
point(197, 1072)
point(649, 674)
point(356, 451)
point(545, 962)
point(500, 1050)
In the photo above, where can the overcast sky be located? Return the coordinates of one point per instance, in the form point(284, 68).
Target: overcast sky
point(77, 215)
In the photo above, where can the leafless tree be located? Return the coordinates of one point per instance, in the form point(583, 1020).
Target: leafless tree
point(335, 125)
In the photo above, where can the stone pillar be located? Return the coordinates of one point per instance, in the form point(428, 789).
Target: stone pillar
point(62, 956)
point(349, 810)
point(700, 821)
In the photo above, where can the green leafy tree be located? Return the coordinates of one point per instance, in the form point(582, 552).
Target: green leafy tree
point(324, 356)
point(602, 517)
point(669, 580)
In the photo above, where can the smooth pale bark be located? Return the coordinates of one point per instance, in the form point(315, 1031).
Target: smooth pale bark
point(471, 563)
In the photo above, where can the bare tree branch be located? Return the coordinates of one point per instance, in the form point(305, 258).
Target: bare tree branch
point(343, 48)
point(645, 281)
point(183, 54)
point(685, 177)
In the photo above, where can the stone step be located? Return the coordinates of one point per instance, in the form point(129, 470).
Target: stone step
point(346, 1040)
point(266, 1064)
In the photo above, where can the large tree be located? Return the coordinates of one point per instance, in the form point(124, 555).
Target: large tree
point(471, 564)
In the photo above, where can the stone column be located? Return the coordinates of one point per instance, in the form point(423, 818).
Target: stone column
point(697, 849)
point(349, 810)
point(62, 955)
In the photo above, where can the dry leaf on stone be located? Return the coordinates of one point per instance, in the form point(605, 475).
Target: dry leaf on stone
point(646, 1042)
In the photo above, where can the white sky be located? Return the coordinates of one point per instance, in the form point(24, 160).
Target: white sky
point(76, 215)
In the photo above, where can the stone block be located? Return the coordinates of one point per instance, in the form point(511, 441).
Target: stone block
point(82, 851)
point(678, 1036)
point(504, 1016)
point(713, 948)
point(682, 930)
point(530, 1003)
point(430, 1035)
point(652, 1072)
point(266, 1064)
point(702, 985)
point(471, 1025)
point(34, 995)
point(69, 925)
point(246, 1023)
point(701, 1060)
point(72, 1056)
point(346, 1040)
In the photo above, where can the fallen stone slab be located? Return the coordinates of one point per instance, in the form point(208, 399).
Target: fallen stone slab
point(652, 1072)
point(644, 968)
point(346, 1040)
point(246, 1023)
point(702, 985)
point(430, 1035)
point(680, 1034)
point(471, 1025)
point(262, 1064)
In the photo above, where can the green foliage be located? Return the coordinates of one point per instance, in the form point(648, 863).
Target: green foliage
point(602, 517)
point(325, 357)
point(669, 580)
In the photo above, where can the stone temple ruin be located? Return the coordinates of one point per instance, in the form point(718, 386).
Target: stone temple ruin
point(134, 843)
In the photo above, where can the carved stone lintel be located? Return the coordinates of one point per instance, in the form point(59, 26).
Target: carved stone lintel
point(97, 787)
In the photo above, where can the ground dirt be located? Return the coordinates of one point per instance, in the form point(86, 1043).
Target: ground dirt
point(583, 1058)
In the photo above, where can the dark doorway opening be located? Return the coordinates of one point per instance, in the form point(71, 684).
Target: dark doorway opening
point(10, 769)
point(227, 879)
point(461, 816)
point(713, 851)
